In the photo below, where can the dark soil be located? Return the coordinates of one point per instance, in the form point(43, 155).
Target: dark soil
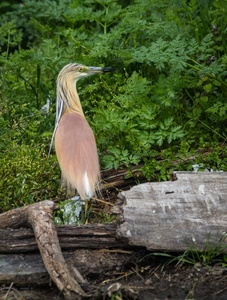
point(145, 279)
point(122, 275)
point(182, 282)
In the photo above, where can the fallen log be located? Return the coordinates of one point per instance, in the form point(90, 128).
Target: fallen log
point(170, 215)
point(90, 236)
point(28, 270)
point(159, 216)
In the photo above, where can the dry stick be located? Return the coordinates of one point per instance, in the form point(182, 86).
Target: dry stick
point(125, 275)
point(4, 298)
point(99, 200)
point(39, 215)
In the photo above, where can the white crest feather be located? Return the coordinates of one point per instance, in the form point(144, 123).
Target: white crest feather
point(59, 109)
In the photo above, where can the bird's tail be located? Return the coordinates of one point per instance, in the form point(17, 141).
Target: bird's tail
point(84, 188)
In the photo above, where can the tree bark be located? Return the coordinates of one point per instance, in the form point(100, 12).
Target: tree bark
point(71, 237)
point(39, 216)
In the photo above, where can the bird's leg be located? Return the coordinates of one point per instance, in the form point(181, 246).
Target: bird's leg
point(70, 191)
point(85, 212)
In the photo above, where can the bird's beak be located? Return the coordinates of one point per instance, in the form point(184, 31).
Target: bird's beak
point(96, 70)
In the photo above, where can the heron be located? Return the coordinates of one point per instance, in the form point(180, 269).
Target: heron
point(74, 140)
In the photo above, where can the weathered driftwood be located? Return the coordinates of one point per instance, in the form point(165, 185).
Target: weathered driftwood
point(39, 216)
point(168, 215)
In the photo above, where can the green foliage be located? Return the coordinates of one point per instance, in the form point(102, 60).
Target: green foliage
point(216, 160)
point(167, 98)
point(27, 176)
point(116, 296)
point(224, 264)
point(211, 253)
point(103, 217)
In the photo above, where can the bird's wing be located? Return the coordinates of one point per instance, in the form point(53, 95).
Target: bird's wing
point(59, 109)
point(77, 154)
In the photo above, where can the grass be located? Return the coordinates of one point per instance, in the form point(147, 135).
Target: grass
point(212, 252)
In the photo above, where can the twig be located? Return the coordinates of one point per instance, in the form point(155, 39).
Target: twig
point(219, 292)
point(108, 203)
point(155, 269)
point(138, 273)
point(125, 275)
point(6, 295)
point(117, 251)
point(139, 287)
point(97, 253)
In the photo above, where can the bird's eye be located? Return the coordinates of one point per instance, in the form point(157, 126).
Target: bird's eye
point(80, 69)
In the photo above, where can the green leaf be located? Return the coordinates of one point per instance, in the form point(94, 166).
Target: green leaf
point(207, 87)
point(204, 98)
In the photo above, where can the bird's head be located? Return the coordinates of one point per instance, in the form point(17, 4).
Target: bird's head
point(77, 71)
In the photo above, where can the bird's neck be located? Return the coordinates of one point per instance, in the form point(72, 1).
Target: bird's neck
point(67, 91)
